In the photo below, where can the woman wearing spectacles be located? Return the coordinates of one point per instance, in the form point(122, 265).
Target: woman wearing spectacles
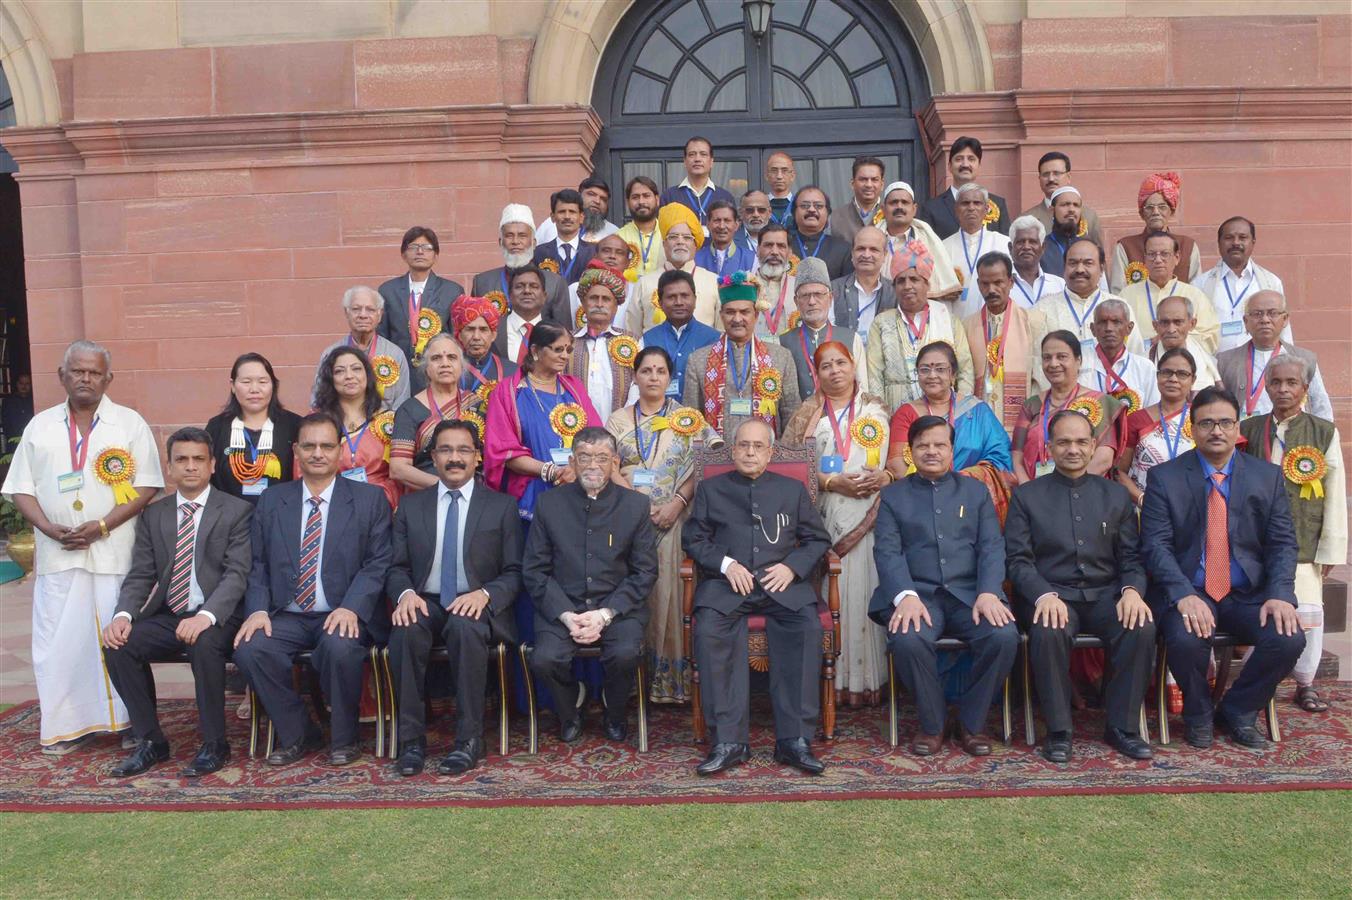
point(1160, 432)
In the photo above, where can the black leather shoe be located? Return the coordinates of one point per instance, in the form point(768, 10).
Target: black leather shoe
point(465, 756)
point(617, 731)
point(723, 757)
point(312, 741)
point(210, 758)
point(146, 755)
point(798, 753)
point(344, 756)
point(412, 757)
point(1057, 748)
point(570, 732)
point(1199, 736)
point(1132, 746)
point(1245, 735)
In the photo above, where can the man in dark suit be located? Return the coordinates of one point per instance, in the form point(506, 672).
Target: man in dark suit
point(1218, 541)
point(1077, 570)
point(321, 547)
point(418, 289)
point(757, 540)
point(456, 572)
point(567, 255)
point(526, 302)
point(941, 566)
point(964, 164)
point(516, 238)
point(809, 237)
point(188, 571)
point(591, 561)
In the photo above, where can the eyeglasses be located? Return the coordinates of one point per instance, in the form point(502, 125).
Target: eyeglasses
point(811, 205)
point(814, 295)
point(933, 370)
point(1156, 207)
point(419, 249)
point(1265, 314)
point(1207, 426)
point(587, 459)
point(1175, 374)
point(1158, 254)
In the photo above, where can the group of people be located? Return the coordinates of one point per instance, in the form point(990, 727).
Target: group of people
point(1030, 441)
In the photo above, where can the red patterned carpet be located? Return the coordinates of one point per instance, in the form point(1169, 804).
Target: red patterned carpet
point(1316, 753)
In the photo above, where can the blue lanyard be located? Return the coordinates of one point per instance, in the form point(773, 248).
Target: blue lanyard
point(802, 248)
point(506, 291)
point(971, 264)
point(1037, 284)
point(572, 260)
point(638, 434)
point(351, 444)
point(1235, 301)
point(645, 249)
point(1178, 432)
point(248, 442)
point(873, 298)
point(740, 377)
point(700, 201)
point(1150, 300)
point(1088, 313)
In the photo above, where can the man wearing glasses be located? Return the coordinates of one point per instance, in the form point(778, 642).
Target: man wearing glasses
point(1218, 540)
point(1243, 369)
point(409, 294)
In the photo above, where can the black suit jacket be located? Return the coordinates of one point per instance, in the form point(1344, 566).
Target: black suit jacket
point(355, 557)
point(835, 252)
point(556, 294)
point(550, 250)
point(1076, 538)
point(1262, 535)
point(221, 556)
point(438, 296)
point(492, 545)
point(933, 536)
point(734, 516)
point(585, 554)
point(941, 213)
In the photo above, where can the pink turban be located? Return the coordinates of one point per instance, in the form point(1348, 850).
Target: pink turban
point(915, 255)
point(1167, 184)
point(466, 309)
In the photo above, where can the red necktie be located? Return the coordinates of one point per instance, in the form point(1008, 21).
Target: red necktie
point(525, 345)
point(1217, 542)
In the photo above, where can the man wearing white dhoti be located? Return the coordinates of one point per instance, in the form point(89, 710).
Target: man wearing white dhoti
point(83, 470)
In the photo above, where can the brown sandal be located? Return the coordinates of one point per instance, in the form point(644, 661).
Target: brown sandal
point(1308, 699)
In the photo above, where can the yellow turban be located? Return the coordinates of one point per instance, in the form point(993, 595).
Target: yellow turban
point(680, 214)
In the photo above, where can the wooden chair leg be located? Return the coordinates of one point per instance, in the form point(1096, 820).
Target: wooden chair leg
point(532, 725)
point(1007, 716)
point(378, 688)
point(1274, 729)
point(697, 709)
point(504, 736)
point(1029, 724)
point(253, 720)
point(1162, 693)
point(386, 673)
point(829, 702)
point(892, 738)
point(1225, 657)
point(642, 706)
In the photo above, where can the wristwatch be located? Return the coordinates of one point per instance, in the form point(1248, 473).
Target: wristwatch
point(607, 616)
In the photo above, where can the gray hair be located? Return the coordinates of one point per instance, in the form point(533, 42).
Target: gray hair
point(1256, 294)
point(439, 336)
point(1113, 303)
point(1028, 223)
point(973, 186)
point(769, 429)
point(1187, 304)
point(1290, 359)
point(356, 291)
point(83, 346)
point(595, 434)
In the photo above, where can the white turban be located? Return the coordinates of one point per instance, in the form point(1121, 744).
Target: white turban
point(517, 214)
point(898, 186)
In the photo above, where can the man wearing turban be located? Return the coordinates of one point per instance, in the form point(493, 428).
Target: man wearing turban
point(1157, 201)
point(603, 355)
point(474, 322)
point(681, 237)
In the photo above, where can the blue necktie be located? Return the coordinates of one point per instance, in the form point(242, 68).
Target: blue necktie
point(450, 552)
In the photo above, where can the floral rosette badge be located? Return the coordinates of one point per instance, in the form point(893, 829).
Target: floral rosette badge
point(387, 372)
point(476, 420)
point(635, 259)
point(581, 318)
point(1083, 229)
point(767, 389)
point(115, 468)
point(429, 324)
point(382, 426)
point(868, 433)
point(623, 349)
point(1128, 398)
point(499, 301)
point(567, 420)
point(795, 318)
point(793, 263)
point(908, 458)
point(485, 390)
point(992, 213)
point(658, 315)
point(1136, 273)
point(993, 359)
point(1088, 407)
point(549, 265)
point(879, 217)
point(1306, 467)
point(686, 421)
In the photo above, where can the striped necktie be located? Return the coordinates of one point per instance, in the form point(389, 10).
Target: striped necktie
point(310, 541)
point(180, 574)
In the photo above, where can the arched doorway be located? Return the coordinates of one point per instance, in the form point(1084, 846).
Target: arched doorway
point(830, 80)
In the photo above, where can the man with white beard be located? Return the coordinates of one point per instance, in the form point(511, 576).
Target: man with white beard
point(516, 238)
point(774, 305)
point(682, 235)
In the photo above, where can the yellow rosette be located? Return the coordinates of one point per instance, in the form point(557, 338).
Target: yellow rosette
point(993, 361)
point(499, 301)
point(1136, 273)
point(992, 213)
point(1082, 229)
point(474, 419)
point(1128, 398)
point(868, 433)
point(1089, 407)
point(485, 390)
point(567, 420)
point(115, 468)
point(635, 260)
point(549, 265)
point(623, 349)
point(767, 389)
point(1306, 467)
point(686, 421)
point(658, 315)
point(1187, 429)
point(793, 264)
point(795, 318)
point(962, 279)
point(387, 372)
point(581, 318)
point(908, 459)
point(429, 325)
point(382, 426)
point(879, 217)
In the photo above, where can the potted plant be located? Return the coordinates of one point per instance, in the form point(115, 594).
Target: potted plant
point(20, 534)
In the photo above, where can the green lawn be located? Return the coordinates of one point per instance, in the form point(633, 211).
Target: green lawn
point(1239, 845)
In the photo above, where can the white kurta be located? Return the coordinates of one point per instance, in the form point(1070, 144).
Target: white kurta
point(1137, 371)
point(638, 315)
point(965, 249)
point(75, 592)
point(1228, 294)
point(1143, 298)
point(1071, 312)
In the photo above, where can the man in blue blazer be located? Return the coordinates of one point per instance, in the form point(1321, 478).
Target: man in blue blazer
point(321, 548)
point(941, 567)
point(1219, 545)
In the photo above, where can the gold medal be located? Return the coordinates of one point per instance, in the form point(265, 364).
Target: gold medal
point(77, 505)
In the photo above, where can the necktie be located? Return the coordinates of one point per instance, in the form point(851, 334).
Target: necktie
point(180, 574)
point(450, 552)
point(414, 307)
point(567, 255)
point(525, 343)
point(310, 541)
point(1217, 541)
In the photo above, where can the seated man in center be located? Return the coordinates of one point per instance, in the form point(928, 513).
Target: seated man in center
point(757, 539)
point(941, 565)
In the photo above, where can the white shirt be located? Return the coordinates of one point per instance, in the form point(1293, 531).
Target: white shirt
point(433, 583)
point(965, 249)
point(1027, 294)
point(868, 307)
point(416, 288)
point(548, 231)
point(195, 596)
point(516, 333)
point(1317, 402)
point(1137, 371)
point(1228, 295)
point(326, 498)
point(600, 378)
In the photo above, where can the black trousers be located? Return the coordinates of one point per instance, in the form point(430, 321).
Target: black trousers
point(152, 639)
point(1274, 656)
point(794, 637)
point(267, 663)
point(1129, 656)
point(467, 643)
point(551, 662)
point(916, 661)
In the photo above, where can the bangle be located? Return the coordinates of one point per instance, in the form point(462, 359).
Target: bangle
point(826, 483)
point(891, 479)
point(103, 528)
point(547, 472)
point(680, 497)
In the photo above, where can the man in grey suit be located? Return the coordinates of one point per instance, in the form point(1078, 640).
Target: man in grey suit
point(455, 575)
point(417, 289)
point(812, 294)
point(516, 238)
point(189, 568)
point(861, 295)
point(1242, 368)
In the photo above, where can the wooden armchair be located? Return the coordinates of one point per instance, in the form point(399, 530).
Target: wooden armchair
point(799, 464)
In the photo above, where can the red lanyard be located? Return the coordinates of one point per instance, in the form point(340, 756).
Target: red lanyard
point(773, 320)
point(437, 409)
point(79, 446)
point(807, 351)
point(912, 331)
point(842, 444)
point(1004, 329)
point(1114, 380)
point(1251, 395)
